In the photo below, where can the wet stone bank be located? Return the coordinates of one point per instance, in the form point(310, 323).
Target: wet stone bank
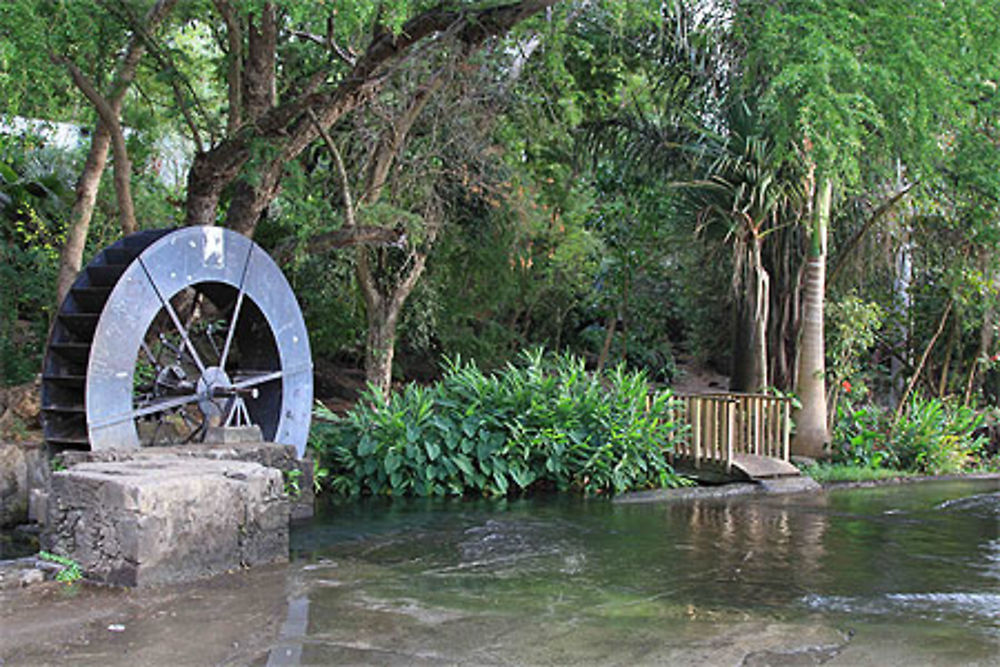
point(903, 574)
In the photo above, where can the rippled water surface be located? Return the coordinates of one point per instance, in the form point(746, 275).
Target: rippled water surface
point(894, 575)
point(860, 574)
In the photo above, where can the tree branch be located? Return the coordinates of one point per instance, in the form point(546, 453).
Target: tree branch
point(923, 360)
point(122, 166)
point(289, 130)
point(876, 215)
point(392, 140)
point(234, 75)
point(341, 170)
point(327, 42)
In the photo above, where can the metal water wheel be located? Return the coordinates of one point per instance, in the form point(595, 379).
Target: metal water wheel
point(168, 333)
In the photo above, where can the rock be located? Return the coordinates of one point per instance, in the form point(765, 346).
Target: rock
point(20, 408)
point(789, 485)
point(167, 518)
point(19, 473)
point(29, 577)
point(19, 573)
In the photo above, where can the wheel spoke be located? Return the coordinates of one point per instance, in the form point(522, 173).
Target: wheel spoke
point(211, 342)
point(236, 312)
point(148, 408)
point(149, 355)
point(167, 306)
point(224, 357)
point(160, 405)
point(252, 379)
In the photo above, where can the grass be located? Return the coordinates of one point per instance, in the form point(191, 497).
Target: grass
point(844, 472)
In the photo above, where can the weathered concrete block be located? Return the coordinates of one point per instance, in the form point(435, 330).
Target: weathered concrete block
point(282, 457)
point(167, 518)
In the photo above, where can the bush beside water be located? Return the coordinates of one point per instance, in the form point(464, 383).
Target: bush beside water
point(932, 436)
point(544, 423)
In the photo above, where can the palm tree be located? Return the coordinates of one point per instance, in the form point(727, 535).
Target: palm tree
point(751, 193)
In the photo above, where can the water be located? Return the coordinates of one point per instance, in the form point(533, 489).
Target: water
point(906, 574)
point(910, 570)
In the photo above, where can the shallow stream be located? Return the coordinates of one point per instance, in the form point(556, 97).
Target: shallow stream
point(905, 574)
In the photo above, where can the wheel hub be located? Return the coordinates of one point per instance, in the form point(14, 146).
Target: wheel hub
point(213, 387)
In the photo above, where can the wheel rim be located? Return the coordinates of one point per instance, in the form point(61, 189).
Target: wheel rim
point(198, 327)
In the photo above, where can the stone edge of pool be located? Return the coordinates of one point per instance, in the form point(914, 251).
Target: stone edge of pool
point(780, 486)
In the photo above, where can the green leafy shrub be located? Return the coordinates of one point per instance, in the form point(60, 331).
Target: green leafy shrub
point(70, 572)
point(936, 437)
point(545, 423)
point(932, 436)
point(861, 437)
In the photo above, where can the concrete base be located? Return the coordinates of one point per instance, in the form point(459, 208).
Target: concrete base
point(269, 454)
point(165, 518)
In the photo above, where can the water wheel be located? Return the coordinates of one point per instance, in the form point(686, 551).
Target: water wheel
point(168, 333)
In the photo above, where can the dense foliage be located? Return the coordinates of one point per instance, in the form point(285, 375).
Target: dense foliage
point(632, 182)
point(933, 436)
point(543, 423)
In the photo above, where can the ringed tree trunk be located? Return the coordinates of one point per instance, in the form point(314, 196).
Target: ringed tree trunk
point(812, 437)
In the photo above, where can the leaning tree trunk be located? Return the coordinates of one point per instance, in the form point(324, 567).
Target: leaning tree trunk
point(71, 253)
point(811, 435)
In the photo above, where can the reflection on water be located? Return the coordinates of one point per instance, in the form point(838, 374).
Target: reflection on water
point(895, 575)
point(858, 575)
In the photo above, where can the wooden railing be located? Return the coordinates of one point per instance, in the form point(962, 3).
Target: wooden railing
point(723, 425)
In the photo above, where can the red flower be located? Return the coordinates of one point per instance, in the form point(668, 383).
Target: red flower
point(846, 385)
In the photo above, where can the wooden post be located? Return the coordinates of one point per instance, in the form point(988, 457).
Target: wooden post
point(786, 427)
point(772, 431)
point(730, 432)
point(747, 426)
point(696, 431)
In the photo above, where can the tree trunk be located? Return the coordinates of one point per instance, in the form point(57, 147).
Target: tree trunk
point(750, 344)
point(811, 436)
point(609, 333)
point(382, 312)
point(989, 326)
point(109, 111)
point(71, 253)
point(288, 131)
point(380, 347)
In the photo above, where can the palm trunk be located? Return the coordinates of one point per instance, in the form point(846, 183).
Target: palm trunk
point(811, 436)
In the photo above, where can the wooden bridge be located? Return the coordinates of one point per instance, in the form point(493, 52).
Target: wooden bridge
point(734, 436)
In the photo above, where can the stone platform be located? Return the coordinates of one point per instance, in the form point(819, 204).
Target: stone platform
point(163, 517)
point(269, 454)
